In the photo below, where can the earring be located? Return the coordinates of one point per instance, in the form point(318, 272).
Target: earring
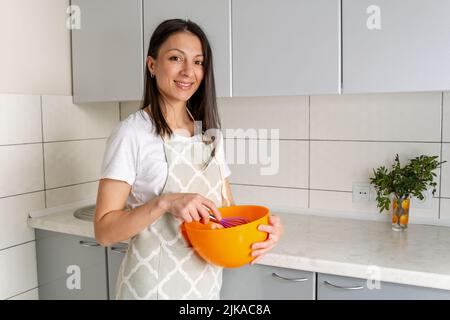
point(152, 75)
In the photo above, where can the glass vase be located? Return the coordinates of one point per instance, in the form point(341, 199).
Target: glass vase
point(400, 213)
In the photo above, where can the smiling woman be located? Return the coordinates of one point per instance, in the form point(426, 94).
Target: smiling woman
point(152, 180)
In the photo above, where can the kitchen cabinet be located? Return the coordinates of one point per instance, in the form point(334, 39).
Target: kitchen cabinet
point(214, 19)
point(70, 267)
point(107, 59)
point(287, 47)
point(116, 253)
point(260, 282)
point(401, 45)
point(333, 287)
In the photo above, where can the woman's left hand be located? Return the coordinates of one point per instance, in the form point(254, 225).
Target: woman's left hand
point(275, 230)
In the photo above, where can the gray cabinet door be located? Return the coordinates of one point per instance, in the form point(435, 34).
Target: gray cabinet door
point(116, 253)
point(107, 60)
point(261, 282)
point(70, 267)
point(332, 287)
point(401, 45)
point(289, 47)
point(214, 19)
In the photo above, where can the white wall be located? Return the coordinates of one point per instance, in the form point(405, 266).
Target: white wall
point(50, 149)
point(35, 47)
point(327, 142)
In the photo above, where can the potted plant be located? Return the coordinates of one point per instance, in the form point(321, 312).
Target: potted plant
point(401, 183)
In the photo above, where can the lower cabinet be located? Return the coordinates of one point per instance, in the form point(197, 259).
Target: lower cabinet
point(116, 253)
point(260, 282)
point(73, 267)
point(332, 287)
point(70, 267)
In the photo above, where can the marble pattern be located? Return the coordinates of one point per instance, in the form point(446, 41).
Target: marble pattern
point(346, 247)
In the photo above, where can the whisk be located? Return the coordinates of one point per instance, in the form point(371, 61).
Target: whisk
point(229, 222)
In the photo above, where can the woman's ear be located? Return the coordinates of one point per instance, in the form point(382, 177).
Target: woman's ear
point(151, 64)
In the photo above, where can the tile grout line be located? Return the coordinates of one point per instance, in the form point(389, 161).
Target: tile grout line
point(48, 189)
point(16, 245)
point(337, 140)
point(440, 156)
point(21, 194)
point(230, 13)
point(18, 294)
point(309, 151)
point(43, 154)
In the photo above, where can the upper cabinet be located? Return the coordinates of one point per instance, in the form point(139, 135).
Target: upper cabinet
point(401, 45)
point(214, 19)
point(289, 47)
point(107, 58)
point(270, 47)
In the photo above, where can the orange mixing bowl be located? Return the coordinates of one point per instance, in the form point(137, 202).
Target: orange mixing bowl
point(229, 247)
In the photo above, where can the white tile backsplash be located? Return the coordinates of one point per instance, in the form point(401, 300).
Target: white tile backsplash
point(445, 177)
point(64, 120)
point(278, 199)
point(445, 209)
point(20, 119)
point(79, 192)
point(386, 117)
point(446, 118)
point(342, 202)
point(290, 165)
point(21, 169)
point(32, 294)
point(288, 114)
point(73, 162)
point(335, 165)
point(129, 107)
point(13, 216)
point(18, 271)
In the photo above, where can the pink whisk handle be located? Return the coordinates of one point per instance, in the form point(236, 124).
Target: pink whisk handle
point(229, 222)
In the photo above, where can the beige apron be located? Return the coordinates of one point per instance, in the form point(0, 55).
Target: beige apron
point(159, 263)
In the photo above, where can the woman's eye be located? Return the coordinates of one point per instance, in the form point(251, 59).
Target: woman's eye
point(175, 58)
point(199, 63)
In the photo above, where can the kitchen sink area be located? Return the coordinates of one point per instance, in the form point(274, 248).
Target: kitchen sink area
point(85, 213)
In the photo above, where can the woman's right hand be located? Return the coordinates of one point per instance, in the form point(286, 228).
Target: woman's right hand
point(190, 207)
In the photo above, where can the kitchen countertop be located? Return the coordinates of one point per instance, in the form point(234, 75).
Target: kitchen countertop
point(355, 248)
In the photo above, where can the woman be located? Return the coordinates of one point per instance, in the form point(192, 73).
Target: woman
point(149, 169)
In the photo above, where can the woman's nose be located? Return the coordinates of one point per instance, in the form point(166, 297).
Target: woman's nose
point(187, 69)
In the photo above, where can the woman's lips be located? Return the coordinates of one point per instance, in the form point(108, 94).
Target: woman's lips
point(183, 85)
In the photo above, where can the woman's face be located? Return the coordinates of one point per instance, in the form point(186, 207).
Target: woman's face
point(179, 67)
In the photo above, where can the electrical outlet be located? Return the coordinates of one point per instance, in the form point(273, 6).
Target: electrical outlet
point(426, 203)
point(361, 191)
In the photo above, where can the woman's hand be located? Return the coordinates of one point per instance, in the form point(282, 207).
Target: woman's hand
point(190, 207)
point(275, 229)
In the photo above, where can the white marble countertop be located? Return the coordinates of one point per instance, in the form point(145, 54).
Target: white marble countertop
point(355, 248)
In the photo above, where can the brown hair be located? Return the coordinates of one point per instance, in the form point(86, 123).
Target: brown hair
point(202, 104)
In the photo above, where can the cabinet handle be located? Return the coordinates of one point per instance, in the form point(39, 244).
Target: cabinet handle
point(119, 249)
point(345, 288)
point(274, 274)
point(89, 243)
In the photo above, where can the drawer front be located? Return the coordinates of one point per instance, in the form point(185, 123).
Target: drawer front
point(70, 267)
point(116, 253)
point(332, 287)
point(261, 282)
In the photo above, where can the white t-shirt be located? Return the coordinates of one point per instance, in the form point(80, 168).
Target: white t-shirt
point(135, 154)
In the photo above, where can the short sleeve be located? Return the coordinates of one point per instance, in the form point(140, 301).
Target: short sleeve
point(221, 157)
point(121, 154)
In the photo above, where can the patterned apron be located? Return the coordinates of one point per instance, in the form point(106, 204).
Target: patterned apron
point(159, 262)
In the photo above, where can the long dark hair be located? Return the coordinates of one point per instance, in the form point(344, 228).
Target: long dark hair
point(202, 104)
